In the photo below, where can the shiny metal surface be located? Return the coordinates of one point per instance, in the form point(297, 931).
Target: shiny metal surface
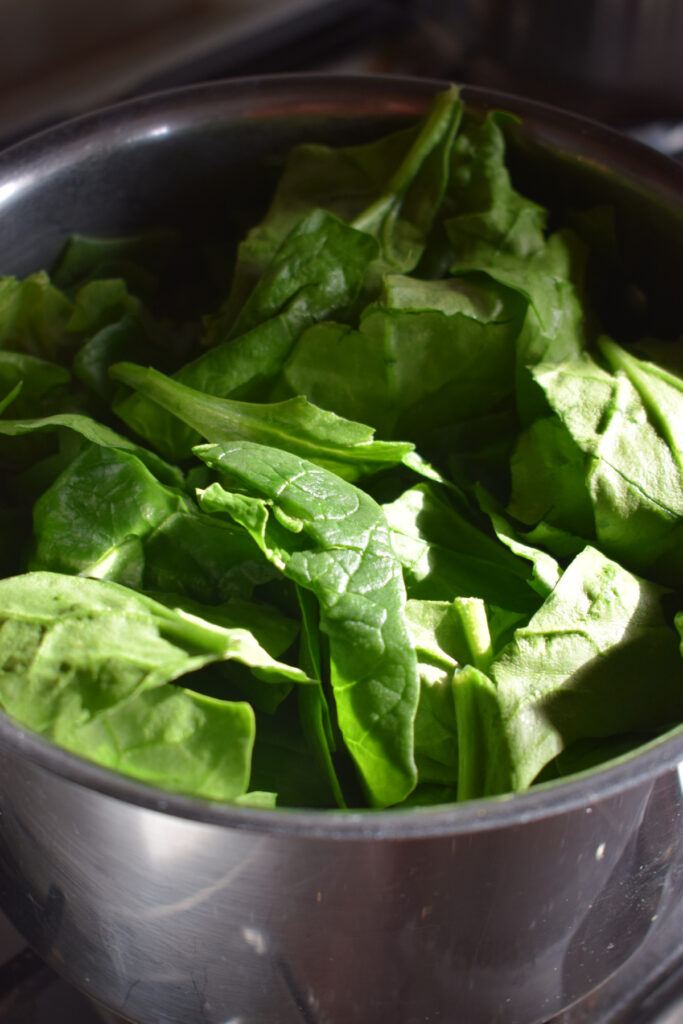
point(166, 919)
point(167, 909)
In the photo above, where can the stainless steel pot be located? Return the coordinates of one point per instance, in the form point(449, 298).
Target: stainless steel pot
point(168, 909)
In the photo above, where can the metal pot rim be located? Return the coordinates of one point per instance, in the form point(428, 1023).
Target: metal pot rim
point(545, 801)
point(54, 149)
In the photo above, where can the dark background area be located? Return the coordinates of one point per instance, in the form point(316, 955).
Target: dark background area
point(616, 60)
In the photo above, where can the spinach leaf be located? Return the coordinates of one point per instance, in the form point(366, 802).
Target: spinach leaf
point(391, 186)
point(482, 208)
point(546, 571)
point(447, 636)
point(402, 215)
point(172, 738)
point(314, 711)
point(282, 759)
point(484, 754)
point(582, 668)
point(340, 549)
point(113, 324)
point(179, 639)
point(271, 629)
point(660, 392)
point(555, 325)
point(623, 469)
point(330, 353)
point(254, 679)
point(316, 273)
point(34, 317)
point(42, 382)
point(487, 227)
point(86, 663)
point(31, 387)
point(136, 259)
point(100, 303)
point(97, 433)
point(548, 471)
point(89, 664)
point(107, 516)
point(459, 721)
point(445, 555)
point(204, 558)
point(234, 369)
point(440, 369)
point(103, 499)
point(120, 340)
point(451, 633)
point(340, 445)
point(431, 354)
point(436, 730)
point(10, 397)
point(343, 181)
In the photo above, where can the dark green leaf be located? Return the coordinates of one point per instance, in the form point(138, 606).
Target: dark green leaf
point(444, 555)
point(631, 462)
point(103, 499)
point(342, 552)
point(315, 274)
point(136, 259)
point(97, 433)
point(284, 763)
point(100, 303)
point(433, 354)
point(42, 382)
point(314, 710)
point(583, 668)
point(34, 318)
point(402, 215)
point(346, 181)
point(204, 558)
point(296, 426)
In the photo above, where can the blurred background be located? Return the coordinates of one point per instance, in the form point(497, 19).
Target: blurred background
point(615, 60)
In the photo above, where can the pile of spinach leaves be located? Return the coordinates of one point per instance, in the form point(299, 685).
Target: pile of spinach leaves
point(394, 524)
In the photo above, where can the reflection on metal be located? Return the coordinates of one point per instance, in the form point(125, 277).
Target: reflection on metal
point(665, 136)
point(162, 129)
point(10, 189)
